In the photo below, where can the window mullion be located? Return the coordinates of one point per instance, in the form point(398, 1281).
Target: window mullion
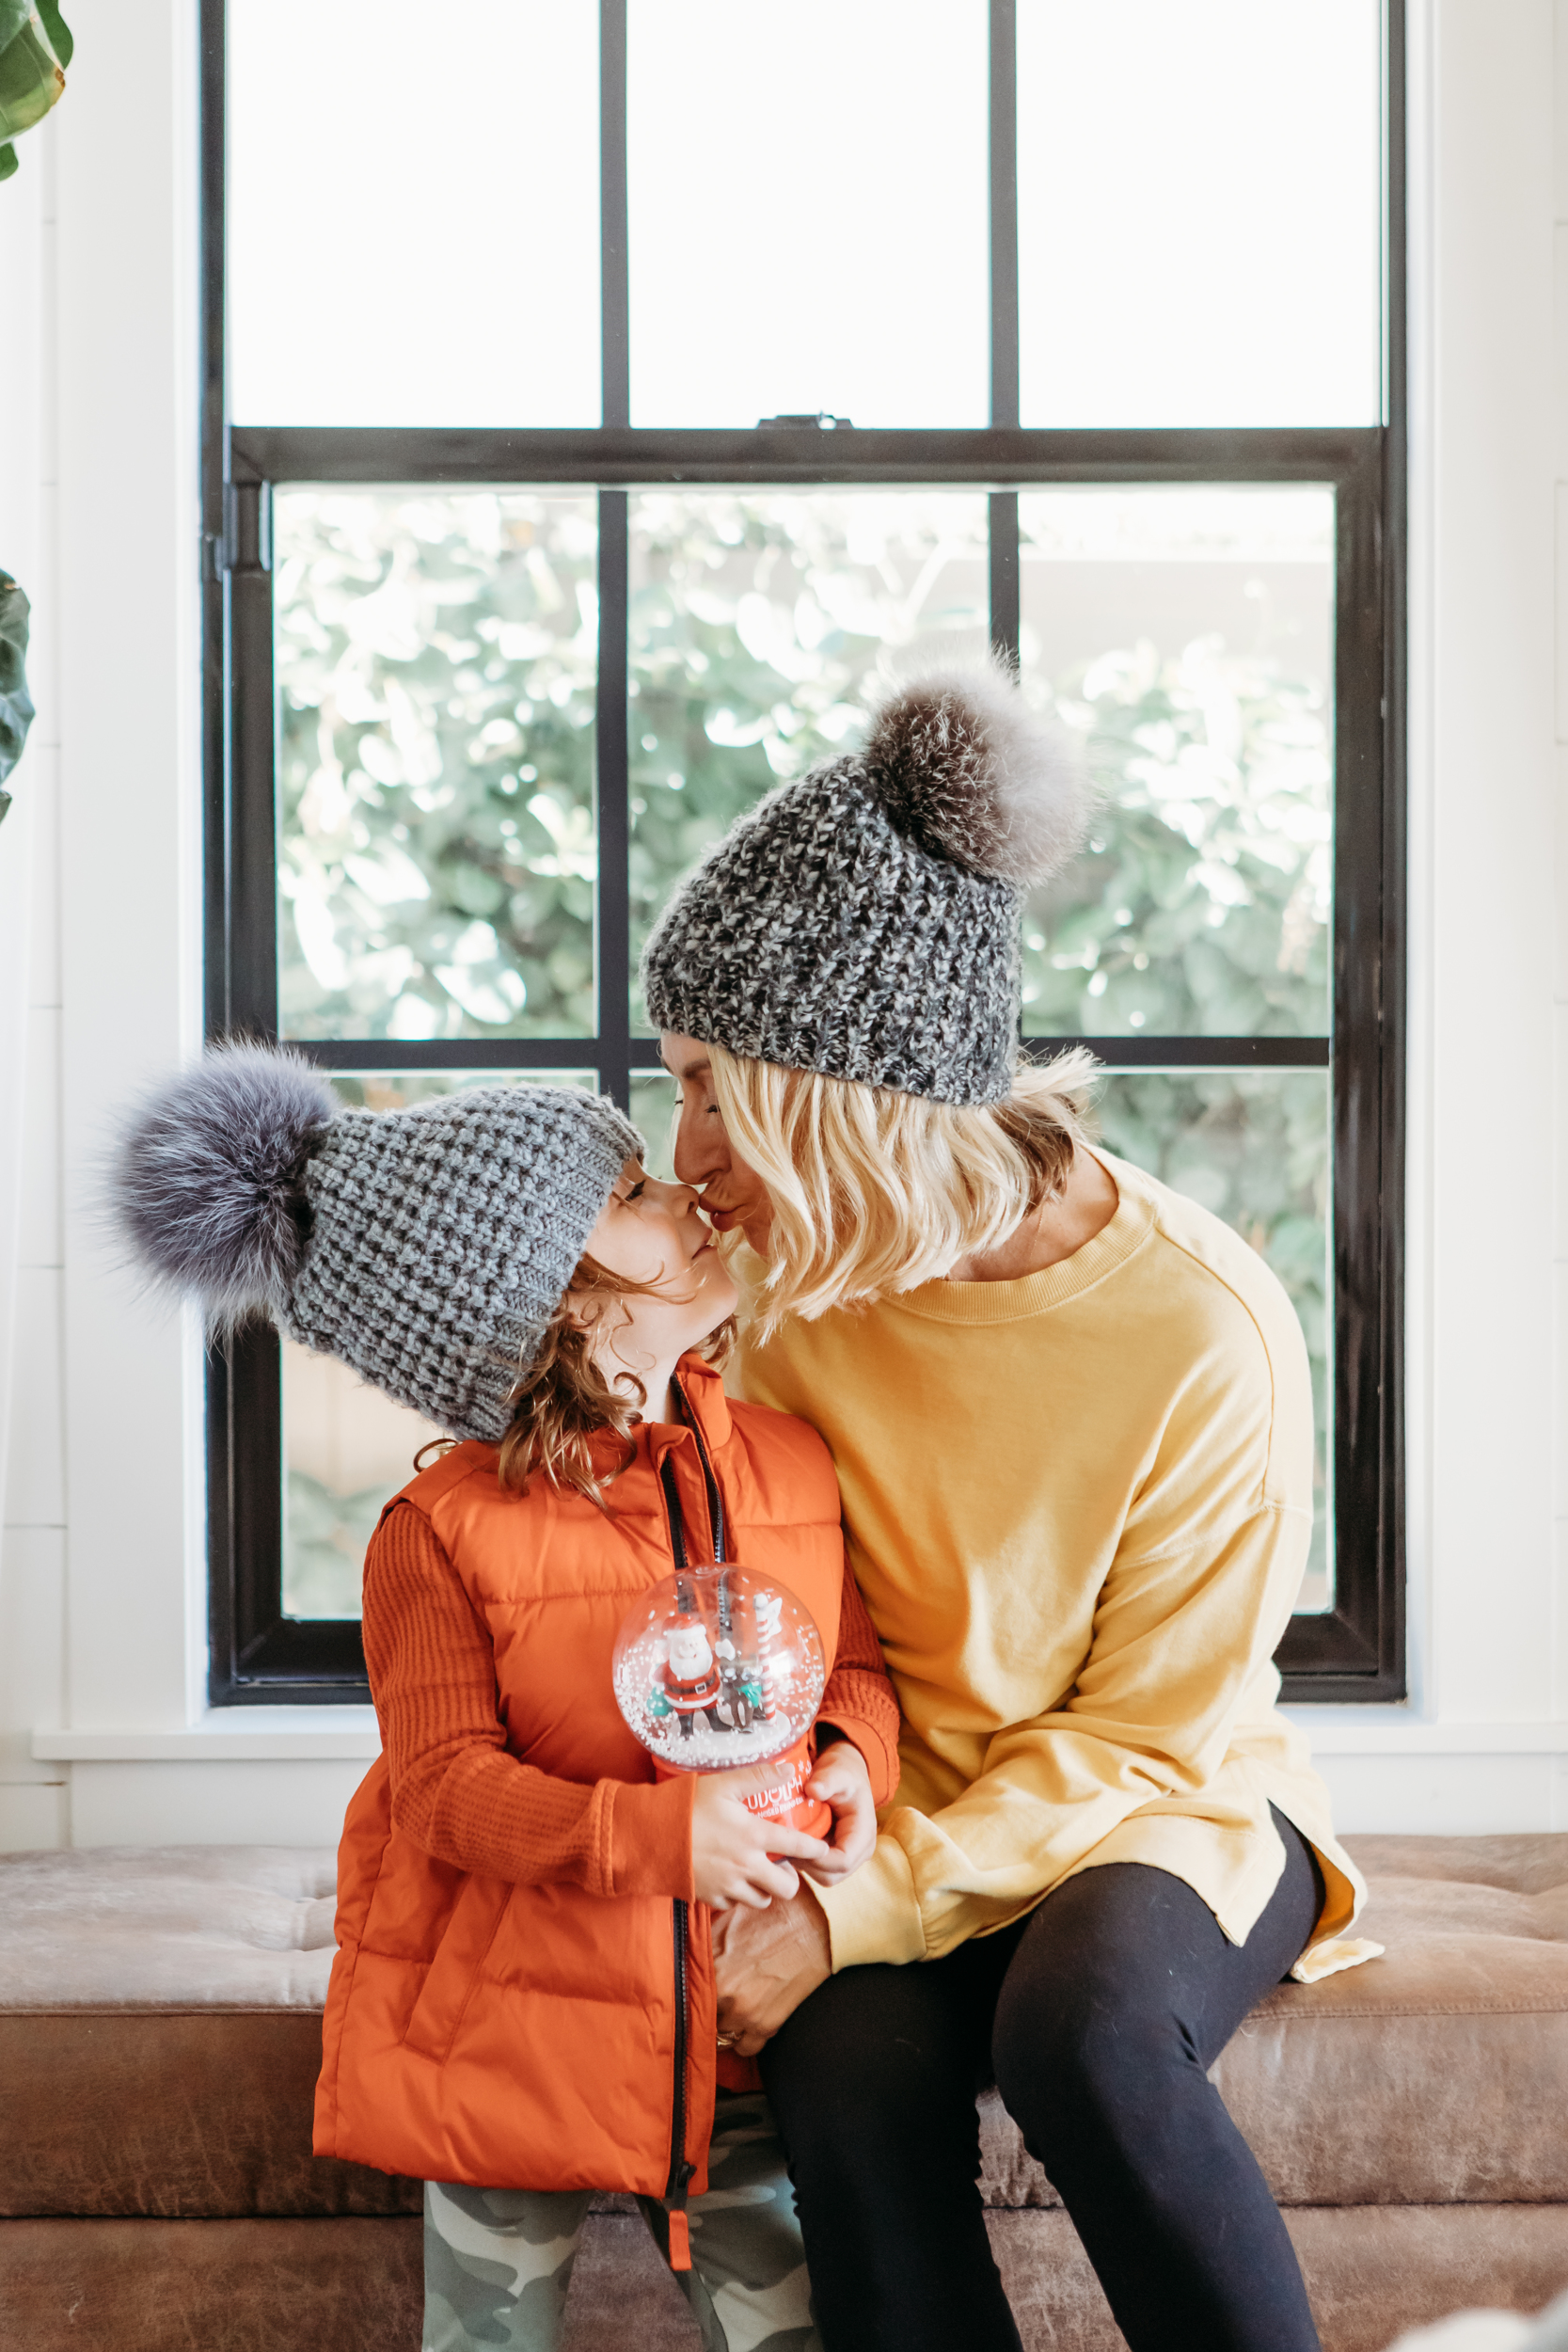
point(614, 283)
point(1005, 591)
point(1004, 215)
point(252, 1005)
point(613, 958)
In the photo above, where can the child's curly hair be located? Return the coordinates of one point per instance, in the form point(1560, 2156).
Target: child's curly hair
point(564, 1398)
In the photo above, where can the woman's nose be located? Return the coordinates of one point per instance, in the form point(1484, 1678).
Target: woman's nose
point(701, 1154)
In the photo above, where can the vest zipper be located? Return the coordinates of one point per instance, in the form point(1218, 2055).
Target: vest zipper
point(680, 2172)
point(715, 1501)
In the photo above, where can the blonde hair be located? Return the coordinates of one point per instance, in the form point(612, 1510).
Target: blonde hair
point(874, 1191)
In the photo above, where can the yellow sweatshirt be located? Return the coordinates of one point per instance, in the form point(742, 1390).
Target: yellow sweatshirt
point(1078, 1506)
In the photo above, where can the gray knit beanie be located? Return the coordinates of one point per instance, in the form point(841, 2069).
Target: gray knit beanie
point(864, 922)
point(426, 1247)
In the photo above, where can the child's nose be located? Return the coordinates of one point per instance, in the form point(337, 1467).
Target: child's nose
point(680, 1199)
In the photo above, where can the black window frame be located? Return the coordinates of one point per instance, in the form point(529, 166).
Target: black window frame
point(1355, 1651)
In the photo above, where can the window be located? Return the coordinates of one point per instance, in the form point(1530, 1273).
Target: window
point(540, 541)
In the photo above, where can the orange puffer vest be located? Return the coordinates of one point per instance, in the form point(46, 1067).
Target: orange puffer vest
point(543, 2036)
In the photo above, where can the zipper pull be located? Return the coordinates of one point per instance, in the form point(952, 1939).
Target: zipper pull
point(677, 2229)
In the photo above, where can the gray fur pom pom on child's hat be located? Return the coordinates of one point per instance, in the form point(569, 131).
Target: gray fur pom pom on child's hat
point(425, 1247)
point(864, 922)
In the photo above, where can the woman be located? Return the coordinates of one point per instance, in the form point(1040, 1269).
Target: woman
point(1071, 1419)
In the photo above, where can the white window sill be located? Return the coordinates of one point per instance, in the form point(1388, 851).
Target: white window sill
point(254, 1734)
point(233, 1734)
point(1394, 1731)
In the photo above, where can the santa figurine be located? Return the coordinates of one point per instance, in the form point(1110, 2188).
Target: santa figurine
point(689, 1681)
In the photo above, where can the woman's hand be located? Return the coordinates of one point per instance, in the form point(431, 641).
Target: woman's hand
point(738, 1857)
point(765, 1964)
point(840, 1779)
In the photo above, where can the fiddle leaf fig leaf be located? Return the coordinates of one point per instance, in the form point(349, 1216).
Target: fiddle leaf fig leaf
point(61, 39)
point(16, 706)
point(32, 72)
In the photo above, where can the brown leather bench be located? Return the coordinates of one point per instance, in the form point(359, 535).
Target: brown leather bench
point(159, 2033)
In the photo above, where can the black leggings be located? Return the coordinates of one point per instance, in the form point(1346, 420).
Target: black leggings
point(1098, 2017)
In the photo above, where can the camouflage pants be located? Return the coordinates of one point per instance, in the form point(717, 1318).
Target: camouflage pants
point(497, 2261)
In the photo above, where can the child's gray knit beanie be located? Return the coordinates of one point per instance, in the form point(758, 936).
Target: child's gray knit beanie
point(864, 922)
point(426, 1247)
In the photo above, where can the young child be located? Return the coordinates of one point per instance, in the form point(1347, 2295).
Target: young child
point(522, 2008)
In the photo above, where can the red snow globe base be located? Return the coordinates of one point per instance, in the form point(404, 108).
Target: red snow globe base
point(718, 1667)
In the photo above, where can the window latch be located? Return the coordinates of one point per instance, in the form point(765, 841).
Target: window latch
point(245, 544)
point(820, 420)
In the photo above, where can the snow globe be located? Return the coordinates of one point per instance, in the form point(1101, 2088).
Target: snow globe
point(718, 1667)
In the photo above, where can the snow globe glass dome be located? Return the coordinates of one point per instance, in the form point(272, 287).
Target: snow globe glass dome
point(720, 1667)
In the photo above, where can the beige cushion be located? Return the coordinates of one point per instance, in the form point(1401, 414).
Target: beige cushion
point(167, 1927)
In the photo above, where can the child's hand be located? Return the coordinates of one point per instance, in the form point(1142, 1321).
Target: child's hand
point(731, 1846)
point(840, 1779)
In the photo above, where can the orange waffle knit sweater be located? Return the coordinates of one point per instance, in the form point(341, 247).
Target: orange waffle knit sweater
point(458, 1793)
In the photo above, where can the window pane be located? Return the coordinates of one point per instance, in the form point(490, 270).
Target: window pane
point(436, 659)
point(1200, 212)
point(808, 211)
point(652, 1111)
point(756, 624)
point(413, 212)
point(1189, 634)
point(347, 1449)
point(1254, 1146)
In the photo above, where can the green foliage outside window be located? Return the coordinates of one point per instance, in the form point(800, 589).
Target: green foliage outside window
point(757, 623)
point(1200, 906)
point(436, 661)
point(1253, 1146)
point(324, 1535)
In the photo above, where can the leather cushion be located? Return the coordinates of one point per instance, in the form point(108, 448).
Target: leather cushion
point(354, 2285)
point(293, 2286)
point(212, 2286)
point(1437, 2075)
point(159, 2040)
point(174, 2113)
point(1370, 2271)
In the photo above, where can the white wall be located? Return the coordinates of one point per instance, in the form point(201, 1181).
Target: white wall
point(1488, 1454)
point(103, 1731)
point(102, 1601)
point(34, 1795)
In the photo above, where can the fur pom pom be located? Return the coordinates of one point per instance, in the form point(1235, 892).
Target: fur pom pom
point(207, 1179)
point(964, 766)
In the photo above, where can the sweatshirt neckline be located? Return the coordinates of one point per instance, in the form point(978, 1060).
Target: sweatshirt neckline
point(946, 1302)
